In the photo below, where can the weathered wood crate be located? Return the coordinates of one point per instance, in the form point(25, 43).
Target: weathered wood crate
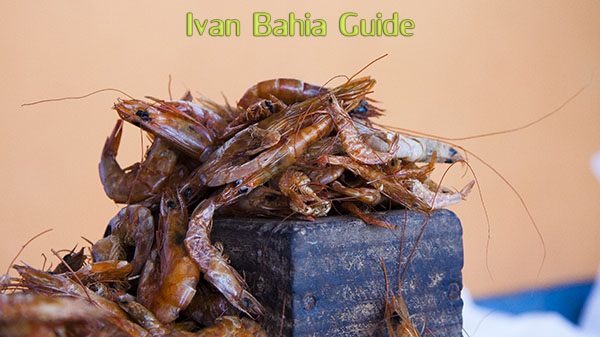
point(329, 276)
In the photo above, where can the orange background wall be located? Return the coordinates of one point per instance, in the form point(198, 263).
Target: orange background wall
point(471, 67)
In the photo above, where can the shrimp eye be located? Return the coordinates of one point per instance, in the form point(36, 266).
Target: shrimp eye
point(361, 110)
point(269, 106)
point(107, 232)
point(247, 302)
point(271, 197)
point(170, 204)
point(237, 183)
point(330, 99)
point(187, 192)
point(393, 162)
point(243, 190)
point(143, 115)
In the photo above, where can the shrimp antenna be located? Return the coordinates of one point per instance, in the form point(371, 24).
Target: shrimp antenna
point(524, 126)
point(499, 175)
point(501, 132)
point(365, 67)
point(169, 88)
point(25, 245)
point(77, 97)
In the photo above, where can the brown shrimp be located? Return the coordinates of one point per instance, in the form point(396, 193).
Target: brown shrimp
point(140, 181)
point(147, 319)
point(390, 186)
point(231, 326)
point(218, 170)
point(132, 226)
point(211, 261)
point(168, 121)
point(179, 275)
point(234, 156)
point(296, 185)
point(352, 141)
point(369, 196)
point(288, 90)
point(207, 306)
point(103, 271)
point(48, 284)
point(255, 112)
point(213, 264)
point(366, 218)
point(22, 313)
point(263, 201)
point(405, 328)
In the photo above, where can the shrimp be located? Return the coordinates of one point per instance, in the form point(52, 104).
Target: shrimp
point(46, 283)
point(352, 141)
point(435, 199)
point(369, 196)
point(213, 264)
point(23, 307)
point(405, 328)
point(217, 171)
point(211, 261)
point(207, 306)
point(145, 318)
point(287, 90)
point(263, 201)
point(414, 149)
point(168, 121)
point(132, 226)
point(231, 326)
point(103, 271)
point(139, 181)
point(390, 186)
point(255, 112)
point(295, 185)
point(235, 155)
point(179, 275)
point(366, 218)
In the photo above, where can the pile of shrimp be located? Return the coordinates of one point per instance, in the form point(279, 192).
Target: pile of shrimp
point(287, 149)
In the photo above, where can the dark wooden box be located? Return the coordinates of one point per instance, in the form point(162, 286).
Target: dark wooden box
point(329, 273)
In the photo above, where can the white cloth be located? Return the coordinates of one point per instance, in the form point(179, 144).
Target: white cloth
point(590, 316)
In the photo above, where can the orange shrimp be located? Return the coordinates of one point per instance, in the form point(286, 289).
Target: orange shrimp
point(369, 196)
point(296, 185)
point(353, 142)
point(139, 181)
point(390, 186)
point(211, 261)
point(102, 271)
point(31, 315)
point(132, 226)
point(231, 326)
point(46, 283)
point(287, 90)
point(217, 170)
point(168, 121)
point(147, 319)
point(175, 286)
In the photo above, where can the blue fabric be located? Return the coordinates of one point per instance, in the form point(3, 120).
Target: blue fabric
point(568, 300)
